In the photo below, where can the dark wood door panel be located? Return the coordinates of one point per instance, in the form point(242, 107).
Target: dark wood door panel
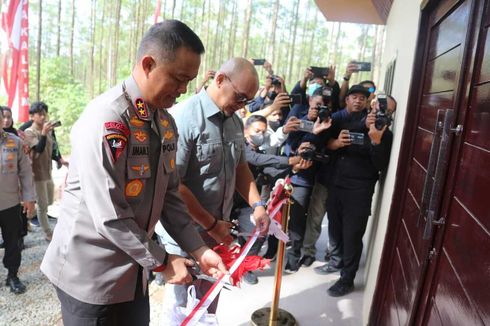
point(484, 74)
point(442, 73)
point(453, 304)
point(473, 183)
point(429, 106)
point(466, 247)
point(423, 142)
point(416, 180)
point(478, 126)
point(404, 300)
point(435, 317)
point(389, 311)
point(456, 26)
point(443, 7)
point(414, 224)
point(411, 260)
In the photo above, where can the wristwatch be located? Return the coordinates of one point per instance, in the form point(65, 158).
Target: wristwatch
point(257, 204)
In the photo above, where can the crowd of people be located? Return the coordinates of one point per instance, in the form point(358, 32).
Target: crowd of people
point(191, 172)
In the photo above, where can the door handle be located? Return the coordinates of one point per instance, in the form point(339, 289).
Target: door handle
point(440, 172)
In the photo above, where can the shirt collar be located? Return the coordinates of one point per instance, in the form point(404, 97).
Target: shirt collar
point(143, 112)
point(209, 107)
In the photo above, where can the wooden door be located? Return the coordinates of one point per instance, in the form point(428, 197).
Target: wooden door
point(435, 256)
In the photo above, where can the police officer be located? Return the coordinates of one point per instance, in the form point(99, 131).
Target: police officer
point(122, 178)
point(16, 185)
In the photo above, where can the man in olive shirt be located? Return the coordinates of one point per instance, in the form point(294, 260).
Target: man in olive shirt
point(122, 180)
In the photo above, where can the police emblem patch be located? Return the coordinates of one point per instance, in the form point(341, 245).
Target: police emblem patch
point(133, 188)
point(168, 134)
point(140, 136)
point(164, 123)
point(117, 143)
point(10, 143)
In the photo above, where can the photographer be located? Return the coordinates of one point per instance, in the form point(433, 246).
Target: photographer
point(359, 156)
point(273, 86)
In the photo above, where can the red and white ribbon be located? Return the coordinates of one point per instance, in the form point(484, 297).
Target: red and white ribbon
point(202, 307)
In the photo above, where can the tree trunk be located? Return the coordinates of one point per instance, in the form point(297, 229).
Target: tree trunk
point(272, 42)
point(291, 59)
point(101, 41)
point(337, 44)
point(58, 34)
point(232, 35)
point(92, 49)
point(216, 36)
point(72, 34)
point(173, 9)
point(39, 43)
point(208, 27)
point(246, 33)
point(311, 45)
point(115, 44)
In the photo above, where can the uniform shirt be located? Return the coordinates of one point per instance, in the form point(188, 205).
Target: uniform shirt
point(211, 146)
point(122, 179)
point(15, 166)
point(41, 162)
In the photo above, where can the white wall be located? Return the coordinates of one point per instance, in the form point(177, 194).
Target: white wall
point(400, 43)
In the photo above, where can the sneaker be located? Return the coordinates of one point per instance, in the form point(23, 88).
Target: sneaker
point(326, 269)
point(34, 221)
point(15, 285)
point(51, 217)
point(250, 278)
point(307, 260)
point(340, 288)
point(292, 266)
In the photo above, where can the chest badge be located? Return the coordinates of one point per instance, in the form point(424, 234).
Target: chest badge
point(140, 136)
point(135, 122)
point(133, 188)
point(141, 169)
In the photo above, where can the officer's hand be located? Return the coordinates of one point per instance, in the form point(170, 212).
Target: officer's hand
point(176, 270)
point(28, 208)
point(281, 100)
point(221, 232)
point(262, 220)
point(209, 262)
point(343, 139)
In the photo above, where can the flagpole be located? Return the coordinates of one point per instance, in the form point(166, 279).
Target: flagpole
point(274, 316)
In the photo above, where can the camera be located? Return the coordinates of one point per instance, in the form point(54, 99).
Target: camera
point(323, 112)
point(383, 118)
point(310, 154)
point(275, 81)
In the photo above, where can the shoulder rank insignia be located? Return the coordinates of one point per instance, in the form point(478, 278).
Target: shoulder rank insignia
point(117, 143)
point(164, 123)
point(117, 126)
point(141, 108)
point(133, 188)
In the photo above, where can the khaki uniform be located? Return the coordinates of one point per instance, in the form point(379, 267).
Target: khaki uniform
point(122, 178)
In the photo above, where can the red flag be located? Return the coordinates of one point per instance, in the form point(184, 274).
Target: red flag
point(15, 62)
point(156, 15)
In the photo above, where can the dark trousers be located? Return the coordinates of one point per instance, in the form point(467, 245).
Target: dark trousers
point(11, 225)
point(297, 221)
point(78, 313)
point(348, 212)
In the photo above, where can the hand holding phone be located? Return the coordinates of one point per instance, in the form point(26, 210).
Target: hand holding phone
point(56, 124)
point(362, 66)
point(295, 99)
point(321, 72)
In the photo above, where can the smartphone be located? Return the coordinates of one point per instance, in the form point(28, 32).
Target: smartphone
point(319, 71)
point(306, 125)
point(383, 103)
point(356, 138)
point(295, 99)
point(56, 124)
point(362, 66)
point(258, 62)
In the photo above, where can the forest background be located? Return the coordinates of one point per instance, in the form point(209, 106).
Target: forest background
point(80, 48)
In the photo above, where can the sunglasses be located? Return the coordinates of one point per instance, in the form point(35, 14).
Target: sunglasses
point(240, 98)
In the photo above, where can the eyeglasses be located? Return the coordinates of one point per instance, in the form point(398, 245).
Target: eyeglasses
point(240, 98)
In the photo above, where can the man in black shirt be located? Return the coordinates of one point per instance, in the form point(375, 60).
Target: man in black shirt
point(359, 155)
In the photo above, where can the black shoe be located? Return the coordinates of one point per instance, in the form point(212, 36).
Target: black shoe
point(340, 288)
point(326, 269)
point(292, 266)
point(15, 285)
point(51, 217)
point(21, 244)
point(2, 245)
point(307, 260)
point(250, 278)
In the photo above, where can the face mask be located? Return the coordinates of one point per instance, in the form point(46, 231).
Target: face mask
point(312, 88)
point(274, 124)
point(257, 139)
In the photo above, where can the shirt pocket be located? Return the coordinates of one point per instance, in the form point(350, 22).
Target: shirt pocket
point(210, 157)
point(237, 148)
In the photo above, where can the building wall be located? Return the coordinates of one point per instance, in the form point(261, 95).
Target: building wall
point(400, 43)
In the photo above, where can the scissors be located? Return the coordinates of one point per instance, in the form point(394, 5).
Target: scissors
point(197, 274)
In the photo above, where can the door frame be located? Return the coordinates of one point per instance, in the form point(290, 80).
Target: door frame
point(406, 152)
